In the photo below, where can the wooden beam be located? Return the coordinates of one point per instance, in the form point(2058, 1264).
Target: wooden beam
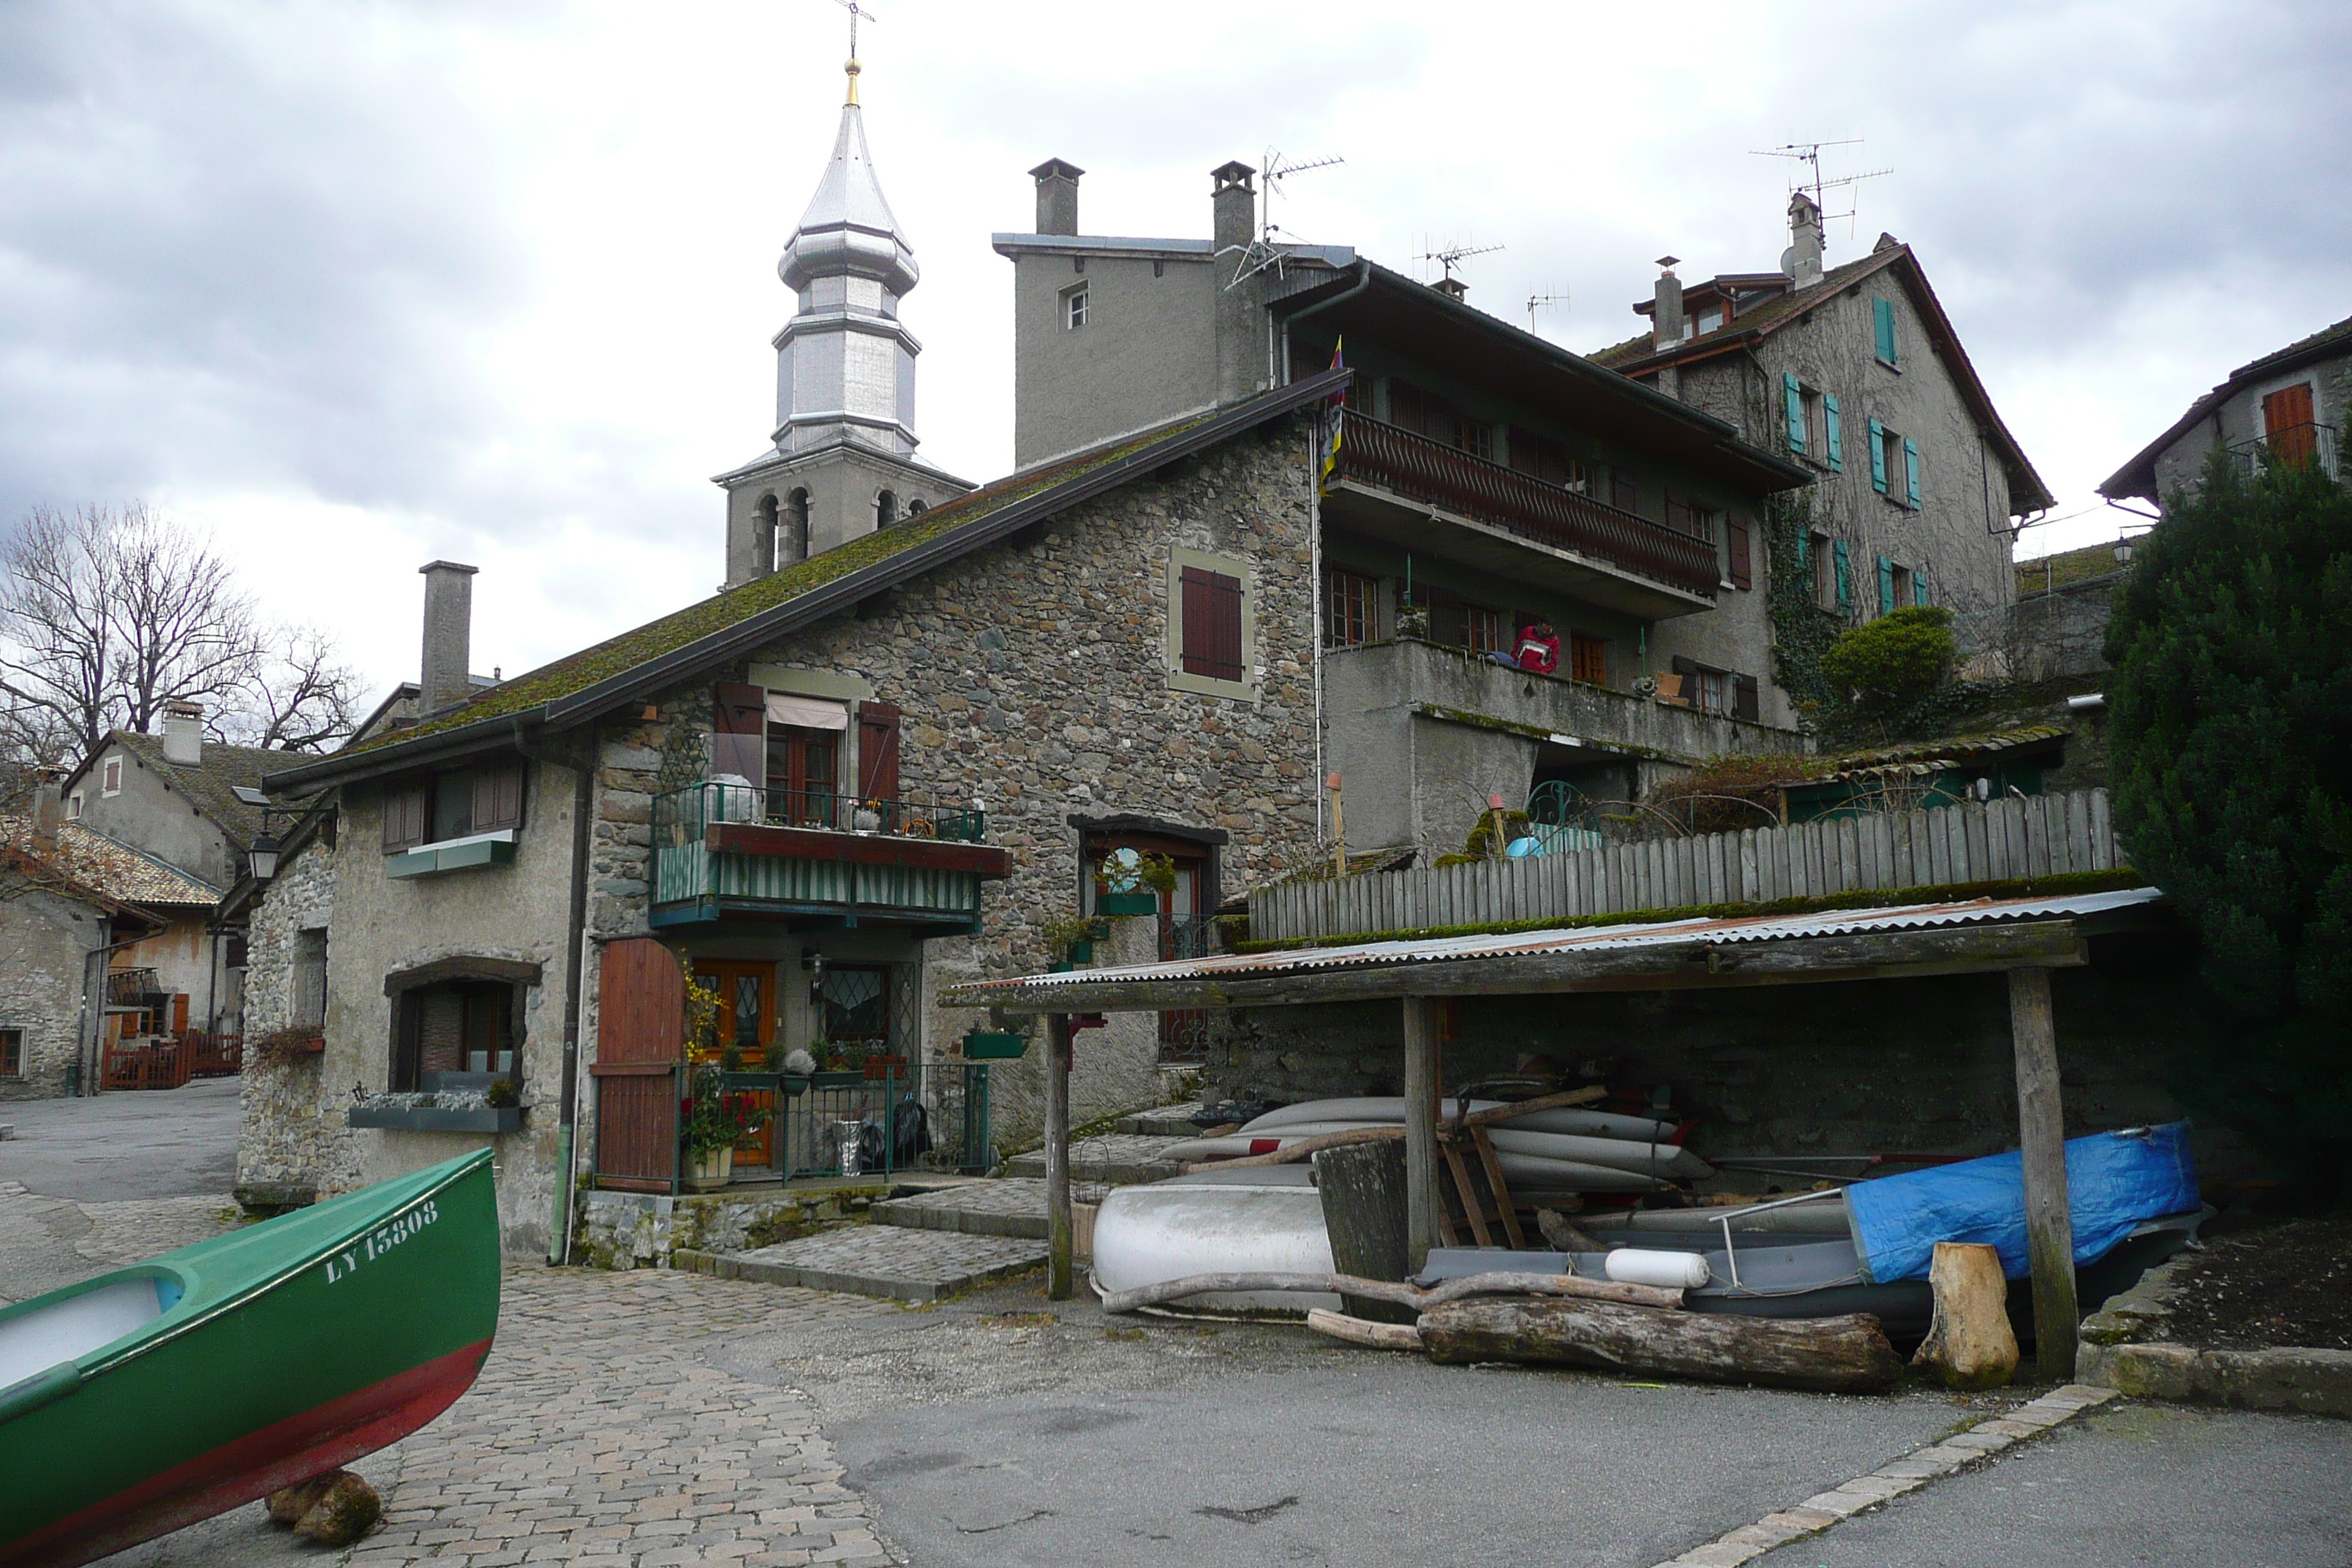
point(1420, 1092)
point(1058, 1235)
point(1696, 963)
point(2042, 1134)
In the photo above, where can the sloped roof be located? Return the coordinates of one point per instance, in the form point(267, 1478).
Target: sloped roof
point(2138, 478)
point(2066, 568)
point(84, 859)
point(211, 785)
point(1916, 755)
point(1635, 357)
point(731, 623)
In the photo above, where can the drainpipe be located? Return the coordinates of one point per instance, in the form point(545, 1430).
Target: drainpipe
point(584, 802)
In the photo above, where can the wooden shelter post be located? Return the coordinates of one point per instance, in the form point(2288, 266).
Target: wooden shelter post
point(1057, 1157)
point(1420, 1092)
point(2041, 1137)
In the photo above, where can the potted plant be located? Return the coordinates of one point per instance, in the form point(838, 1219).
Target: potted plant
point(834, 1069)
point(1069, 941)
point(868, 816)
point(716, 1119)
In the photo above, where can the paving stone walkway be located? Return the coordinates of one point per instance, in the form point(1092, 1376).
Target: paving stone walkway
point(1115, 1158)
point(601, 1435)
point(1014, 1206)
point(893, 1261)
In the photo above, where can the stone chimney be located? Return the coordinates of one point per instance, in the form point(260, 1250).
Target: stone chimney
point(1667, 326)
point(48, 811)
point(1241, 323)
point(1453, 288)
point(444, 680)
point(1057, 197)
point(183, 733)
point(1803, 261)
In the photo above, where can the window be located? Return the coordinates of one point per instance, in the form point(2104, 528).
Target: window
point(73, 807)
point(1882, 316)
point(2288, 434)
point(12, 1052)
point(1350, 610)
point(1724, 692)
point(453, 805)
point(1737, 563)
point(1486, 631)
point(1587, 659)
point(1710, 319)
point(796, 525)
point(1900, 581)
point(1475, 438)
point(1074, 309)
point(309, 993)
point(455, 1026)
point(916, 508)
point(1624, 494)
point(885, 509)
point(1888, 571)
point(1842, 565)
point(1542, 457)
point(1422, 413)
point(111, 776)
point(1893, 466)
point(803, 775)
point(1212, 625)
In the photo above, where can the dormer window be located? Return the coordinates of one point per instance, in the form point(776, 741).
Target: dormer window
point(1710, 319)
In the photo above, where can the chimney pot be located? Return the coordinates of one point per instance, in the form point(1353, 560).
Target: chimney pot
point(1057, 197)
point(1452, 287)
point(1803, 261)
point(1667, 327)
point(444, 679)
point(49, 810)
point(183, 733)
point(1242, 360)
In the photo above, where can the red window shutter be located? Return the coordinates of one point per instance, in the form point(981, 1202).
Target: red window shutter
point(497, 798)
point(2286, 424)
point(877, 752)
point(738, 710)
point(403, 816)
point(1742, 575)
point(1213, 625)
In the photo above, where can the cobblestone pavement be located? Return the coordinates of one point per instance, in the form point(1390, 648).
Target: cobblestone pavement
point(1013, 1206)
point(876, 1259)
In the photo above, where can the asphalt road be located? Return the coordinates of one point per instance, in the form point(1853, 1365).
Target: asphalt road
point(151, 1143)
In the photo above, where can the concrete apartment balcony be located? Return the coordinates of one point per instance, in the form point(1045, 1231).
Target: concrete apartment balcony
point(1393, 485)
point(1422, 733)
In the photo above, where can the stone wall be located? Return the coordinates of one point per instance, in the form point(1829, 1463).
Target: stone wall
point(1799, 1071)
point(293, 1145)
point(45, 943)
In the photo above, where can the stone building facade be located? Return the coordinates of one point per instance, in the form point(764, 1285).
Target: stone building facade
point(46, 941)
point(2293, 405)
point(296, 1141)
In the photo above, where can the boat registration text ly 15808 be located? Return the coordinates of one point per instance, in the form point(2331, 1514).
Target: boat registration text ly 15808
point(378, 1242)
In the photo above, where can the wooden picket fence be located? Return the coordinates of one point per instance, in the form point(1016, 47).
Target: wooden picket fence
point(2036, 836)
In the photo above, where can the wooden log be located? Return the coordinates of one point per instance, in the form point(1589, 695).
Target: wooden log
point(1059, 1237)
point(1363, 1215)
point(2041, 1137)
point(1290, 1154)
point(1827, 1355)
point(1518, 1109)
point(1969, 1339)
point(1562, 1235)
point(1421, 1091)
point(1404, 1294)
point(1359, 1332)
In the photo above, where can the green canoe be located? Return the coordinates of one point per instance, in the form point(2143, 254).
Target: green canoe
point(145, 1400)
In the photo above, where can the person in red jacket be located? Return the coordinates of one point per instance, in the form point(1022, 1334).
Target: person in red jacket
point(1539, 650)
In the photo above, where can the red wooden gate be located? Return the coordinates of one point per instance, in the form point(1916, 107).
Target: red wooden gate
point(640, 1044)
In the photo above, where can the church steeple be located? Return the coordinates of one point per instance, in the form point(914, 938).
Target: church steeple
point(844, 462)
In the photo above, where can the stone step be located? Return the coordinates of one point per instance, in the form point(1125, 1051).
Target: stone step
point(1012, 1207)
point(1162, 1121)
point(1109, 1159)
point(895, 1262)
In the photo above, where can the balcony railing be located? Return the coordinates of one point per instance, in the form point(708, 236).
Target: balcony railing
point(2296, 444)
point(130, 987)
point(721, 847)
point(1424, 470)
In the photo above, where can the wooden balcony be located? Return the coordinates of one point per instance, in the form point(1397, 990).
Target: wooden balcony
point(1575, 543)
point(718, 854)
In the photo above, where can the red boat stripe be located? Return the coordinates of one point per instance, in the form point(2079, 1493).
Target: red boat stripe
point(322, 1438)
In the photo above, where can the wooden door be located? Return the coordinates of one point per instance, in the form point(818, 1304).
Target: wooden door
point(746, 1018)
point(2286, 424)
point(640, 1041)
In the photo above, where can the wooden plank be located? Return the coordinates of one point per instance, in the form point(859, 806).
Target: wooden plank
point(1505, 1209)
point(1473, 1211)
point(2038, 851)
point(1979, 840)
point(1421, 1091)
point(2107, 853)
point(1849, 857)
point(2042, 1136)
point(2078, 830)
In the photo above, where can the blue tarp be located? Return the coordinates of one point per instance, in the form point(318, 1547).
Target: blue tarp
point(2114, 1180)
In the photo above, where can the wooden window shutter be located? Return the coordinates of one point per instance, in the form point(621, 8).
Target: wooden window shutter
point(1213, 625)
point(1804, 548)
point(1834, 437)
point(1919, 588)
point(1746, 702)
point(1524, 444)
point(1883, 318)
point(2288, 435)
point(738, 710)
point(1682, 666)
point(1792, 399)
point(1624, 494)
point(1885, 584)
point(1911, 471)
point(403, 816)
point(1742, 570)
point(877, 752)
point(497, 797)
point(1844, 565)
point(1878, 456)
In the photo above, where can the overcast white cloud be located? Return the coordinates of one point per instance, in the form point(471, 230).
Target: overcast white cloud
point(361, 285)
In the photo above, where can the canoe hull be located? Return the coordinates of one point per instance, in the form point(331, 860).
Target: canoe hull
point(1167, 1231)
point(295, 1347)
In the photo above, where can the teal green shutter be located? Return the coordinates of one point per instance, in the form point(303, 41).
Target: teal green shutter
point(1911, 472)
point(1804, 547)
point(1883, 311)
point(1792, 402)
point(1832, 433)
point(1878, 456)
point(1919, 587)
point(1845, 573)
point(1885, 584)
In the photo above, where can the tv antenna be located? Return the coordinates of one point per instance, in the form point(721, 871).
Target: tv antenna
point(1544, 302)
point(1809, 153)
point(1454, 256)
point(1272, 170)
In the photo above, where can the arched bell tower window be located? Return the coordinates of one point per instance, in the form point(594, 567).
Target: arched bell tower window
point(885, 509)
point(764, 537)
point(796, 524)
point(914, 509)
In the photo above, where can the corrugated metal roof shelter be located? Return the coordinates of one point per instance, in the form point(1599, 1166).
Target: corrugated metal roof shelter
point(2023, 937)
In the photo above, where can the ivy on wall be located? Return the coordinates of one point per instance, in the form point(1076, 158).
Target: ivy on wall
point(1801, 630)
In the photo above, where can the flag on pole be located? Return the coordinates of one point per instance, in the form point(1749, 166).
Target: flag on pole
point(1335, 413)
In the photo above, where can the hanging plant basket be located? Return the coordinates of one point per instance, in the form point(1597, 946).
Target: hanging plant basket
point(1144, 902)
point(995, 1045)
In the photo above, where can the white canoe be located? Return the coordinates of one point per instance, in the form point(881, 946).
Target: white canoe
point(1389, 1112)
point(1262, 1220)
point(1663, 1160)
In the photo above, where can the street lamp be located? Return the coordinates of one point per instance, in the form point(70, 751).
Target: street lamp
point(2122, 552)
point(261, 855)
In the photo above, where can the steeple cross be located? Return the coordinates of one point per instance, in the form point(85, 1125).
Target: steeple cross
point(856, 11)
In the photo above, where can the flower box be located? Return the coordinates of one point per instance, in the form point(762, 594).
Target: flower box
point(438, 1119)
point(878, 1068)
point(995, 1045)
point(1144, 902)
point(835, 1079)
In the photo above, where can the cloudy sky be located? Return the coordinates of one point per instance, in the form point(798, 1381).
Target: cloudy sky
point(360, 284)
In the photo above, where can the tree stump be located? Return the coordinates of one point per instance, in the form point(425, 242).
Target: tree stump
point(1364, 1214)
point(1969, 1340)
point(1828, 1355)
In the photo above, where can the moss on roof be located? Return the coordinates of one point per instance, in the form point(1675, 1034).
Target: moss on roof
point(83, 857)
point(2066, 568)
point(615, 655)
point(211, 785)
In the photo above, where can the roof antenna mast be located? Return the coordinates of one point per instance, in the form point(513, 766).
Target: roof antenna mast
point(1450, 258)
point(1263, 252)
point(1544, 302)
point(1809, 153)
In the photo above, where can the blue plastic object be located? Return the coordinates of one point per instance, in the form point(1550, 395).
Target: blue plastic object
point(2114, 1180)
